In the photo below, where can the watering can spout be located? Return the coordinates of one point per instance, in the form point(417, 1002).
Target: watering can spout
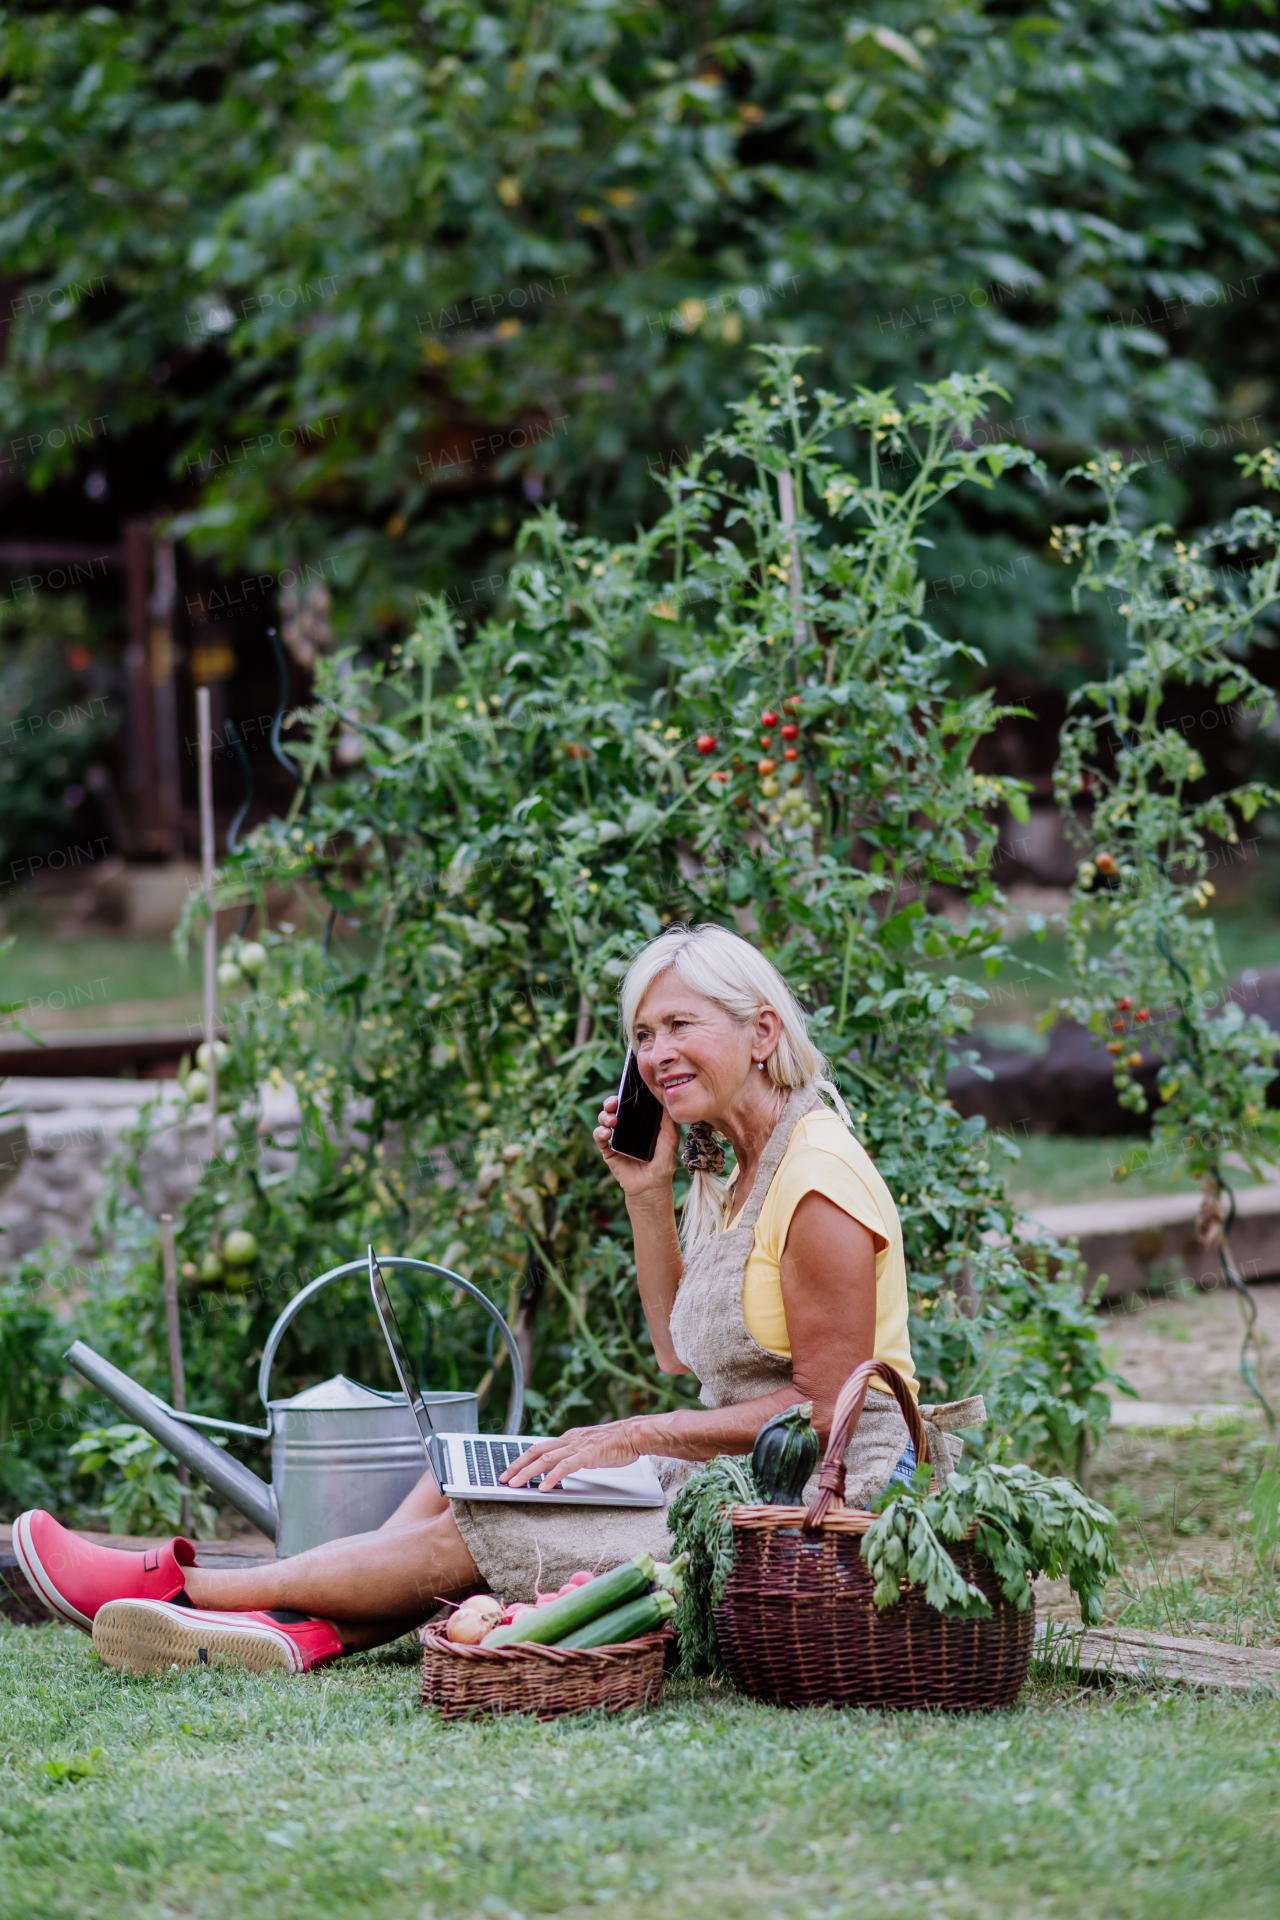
point(246, 1492)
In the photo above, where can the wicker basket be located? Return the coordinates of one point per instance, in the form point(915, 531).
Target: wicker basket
point(546, 1682)
point(798, 1627)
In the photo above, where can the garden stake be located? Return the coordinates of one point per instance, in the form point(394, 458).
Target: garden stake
point(177, 1375)
point(204, 730)
point(787, 509)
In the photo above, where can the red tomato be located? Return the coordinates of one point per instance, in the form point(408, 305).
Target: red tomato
point(765, 767)
point(766, 739)
point(1142, 1014)
point(768, 718)
point(721, 777)
point(793, 704)
point(1125, 1004)
point(1106, 864)
point(706, 743)
point(790, 731)
point(791, 754)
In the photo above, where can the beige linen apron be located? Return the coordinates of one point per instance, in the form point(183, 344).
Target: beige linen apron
point(516, 1546)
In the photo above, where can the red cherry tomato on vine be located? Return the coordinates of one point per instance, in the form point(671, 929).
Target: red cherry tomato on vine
point(1142, 1014)
point(1106, 864)
point(766, 739)
point(1125, 1004)
point(765, 767)
point(791, 754)
point(706, 743)
point(1117, 1026)
point(790, 731)
point(768, 718)
point(721, 777)
point(793, 704)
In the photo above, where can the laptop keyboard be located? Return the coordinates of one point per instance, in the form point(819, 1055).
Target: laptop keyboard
point(488, 1460)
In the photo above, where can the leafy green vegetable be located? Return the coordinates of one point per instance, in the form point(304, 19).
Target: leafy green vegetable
point(699, 1519)
point(1027, 1524)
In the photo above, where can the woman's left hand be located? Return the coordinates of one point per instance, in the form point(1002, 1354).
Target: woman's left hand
point(616, 1444)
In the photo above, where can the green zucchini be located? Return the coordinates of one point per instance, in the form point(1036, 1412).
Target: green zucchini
point(624, 1623)
point(668, 1576)
point(785, 1454)
point(608, 1590)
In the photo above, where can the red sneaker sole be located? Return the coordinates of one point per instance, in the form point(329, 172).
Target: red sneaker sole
point(146, 1636)
point(38, 1577)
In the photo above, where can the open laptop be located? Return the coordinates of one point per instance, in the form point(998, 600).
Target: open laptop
point(468, 1466)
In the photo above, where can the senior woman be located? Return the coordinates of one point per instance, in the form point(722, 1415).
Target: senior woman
point(790, 1275)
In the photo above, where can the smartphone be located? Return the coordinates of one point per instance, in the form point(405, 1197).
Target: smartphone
point(639, 1116)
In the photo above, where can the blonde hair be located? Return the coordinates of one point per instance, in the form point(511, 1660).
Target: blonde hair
point(735, 976)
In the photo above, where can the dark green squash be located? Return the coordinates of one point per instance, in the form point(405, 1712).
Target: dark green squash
point(785, 1454)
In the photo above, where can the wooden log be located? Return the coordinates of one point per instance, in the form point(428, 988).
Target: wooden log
point(1161, 1659)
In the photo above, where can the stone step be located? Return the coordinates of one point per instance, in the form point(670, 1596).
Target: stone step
point(1175, 1416)
point(1127, 1239)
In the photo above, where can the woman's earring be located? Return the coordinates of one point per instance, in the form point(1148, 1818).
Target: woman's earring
point(760, 1064)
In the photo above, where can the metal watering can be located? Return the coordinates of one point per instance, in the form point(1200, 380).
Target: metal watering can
point(343, 1456)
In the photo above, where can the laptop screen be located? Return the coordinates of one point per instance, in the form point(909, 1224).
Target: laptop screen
point(397, 1349)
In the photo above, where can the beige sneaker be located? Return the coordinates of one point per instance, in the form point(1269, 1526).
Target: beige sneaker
point(146, 1636)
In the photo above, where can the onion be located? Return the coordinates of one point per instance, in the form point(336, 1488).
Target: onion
point(477, 1615)
point(469, 1626)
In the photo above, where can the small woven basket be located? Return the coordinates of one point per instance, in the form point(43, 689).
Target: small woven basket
point(547, 1682)
point(797, 1625)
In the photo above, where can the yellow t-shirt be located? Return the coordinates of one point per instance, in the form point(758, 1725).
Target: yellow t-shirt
point(823, 1157)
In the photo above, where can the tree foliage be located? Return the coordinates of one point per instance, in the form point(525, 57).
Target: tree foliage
point(324, 249)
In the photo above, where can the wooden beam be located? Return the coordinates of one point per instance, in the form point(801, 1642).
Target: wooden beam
point(142, 706)
point(1161, 1659)
point(53, 553)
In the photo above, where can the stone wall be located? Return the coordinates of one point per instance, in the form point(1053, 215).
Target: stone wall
point(57, 1138)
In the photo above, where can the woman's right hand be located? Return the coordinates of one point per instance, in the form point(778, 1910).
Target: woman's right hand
point(639, 1177)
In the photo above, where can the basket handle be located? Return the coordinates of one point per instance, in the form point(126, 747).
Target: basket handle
point(844, 1418)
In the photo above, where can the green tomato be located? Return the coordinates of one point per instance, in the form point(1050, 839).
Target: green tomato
point(240, 1249)
point(197, 1085)
point(229, 975)
point(221, 1052)
point(211, 1268)
point(251, 958)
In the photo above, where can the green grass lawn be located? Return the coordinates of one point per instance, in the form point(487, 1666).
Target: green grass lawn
point(1058, 1169)
point(216, 1794)
point(84, 973)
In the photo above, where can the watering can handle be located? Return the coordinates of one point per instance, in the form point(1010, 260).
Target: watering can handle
point(515, 1411)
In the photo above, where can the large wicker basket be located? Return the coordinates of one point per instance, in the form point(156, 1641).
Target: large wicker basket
point(798, 1627)
point(543, 1681)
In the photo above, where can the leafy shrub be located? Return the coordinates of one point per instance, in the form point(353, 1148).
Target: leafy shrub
point(139, 1491)
point(34, 1416)
point(530, 807)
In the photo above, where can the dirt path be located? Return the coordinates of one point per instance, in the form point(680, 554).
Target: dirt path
point(1187, 1350)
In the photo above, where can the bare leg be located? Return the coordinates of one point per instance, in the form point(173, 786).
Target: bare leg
point(424, 1503)
point(392, 1579)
